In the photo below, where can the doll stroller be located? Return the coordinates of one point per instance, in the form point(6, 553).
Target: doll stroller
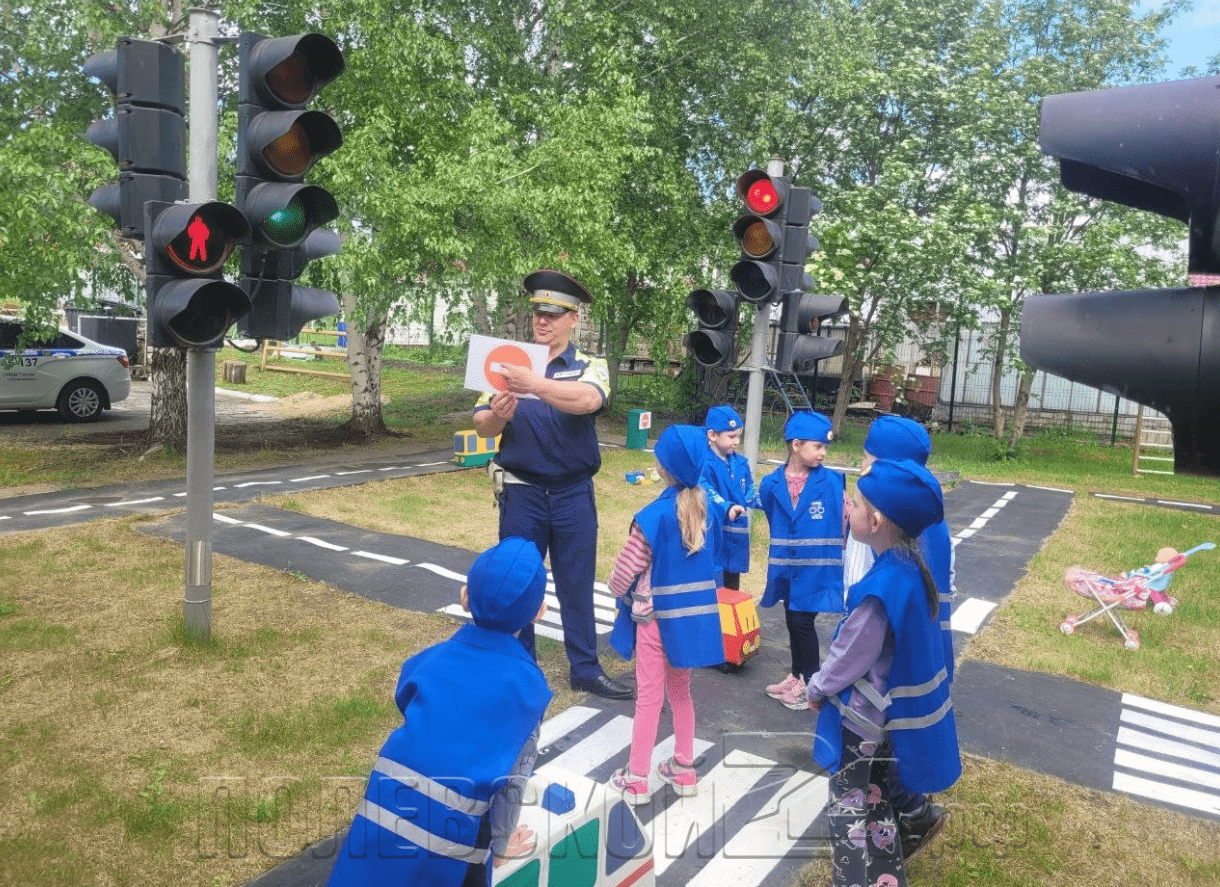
point(1133, 590)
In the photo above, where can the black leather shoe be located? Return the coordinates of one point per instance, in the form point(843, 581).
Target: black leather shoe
point(605, 687)
point(918, 831)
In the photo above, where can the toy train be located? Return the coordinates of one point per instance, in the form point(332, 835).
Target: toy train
point(470, 450)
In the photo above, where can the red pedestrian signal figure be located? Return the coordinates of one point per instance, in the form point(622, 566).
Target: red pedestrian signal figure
point(198, 232)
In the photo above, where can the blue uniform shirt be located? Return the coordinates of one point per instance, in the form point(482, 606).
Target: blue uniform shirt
point(549, 448)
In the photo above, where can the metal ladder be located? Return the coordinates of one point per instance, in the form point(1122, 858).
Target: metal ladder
point(1153, 444)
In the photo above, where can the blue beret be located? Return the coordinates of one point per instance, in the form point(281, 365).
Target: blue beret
point(905, 492)
point(807, 425)
point(681, 450)
point(723, 418)
point(896, 437)
point(506, 585)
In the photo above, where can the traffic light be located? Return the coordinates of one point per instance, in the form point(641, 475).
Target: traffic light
point(278, 142)
point(760, 234)
point(1154, 147)
point(190, 305)
point(146, 135)
point(713, 343)
point(800, 346)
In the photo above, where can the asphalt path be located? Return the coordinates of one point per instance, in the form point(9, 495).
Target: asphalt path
point(760, 819)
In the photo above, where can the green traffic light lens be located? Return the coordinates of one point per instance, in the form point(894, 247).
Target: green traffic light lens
point(287, 226)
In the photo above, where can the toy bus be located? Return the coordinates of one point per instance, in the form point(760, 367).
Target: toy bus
point(739, 626)
point(585, 836)
point(469, 449)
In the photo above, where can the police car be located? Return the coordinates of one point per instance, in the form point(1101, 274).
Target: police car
point(69, 373)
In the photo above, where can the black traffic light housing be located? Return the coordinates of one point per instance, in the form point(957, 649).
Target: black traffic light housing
point(760, 234)
point(713, 343)
point(190, 305)
point(800, 346)
point(1154, 147)
point(146, 135)
point(278, 142)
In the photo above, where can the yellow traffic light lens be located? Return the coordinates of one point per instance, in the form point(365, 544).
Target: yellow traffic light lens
point(762, 198)
point(292, 81)
point(756, 240)
point(291, 154)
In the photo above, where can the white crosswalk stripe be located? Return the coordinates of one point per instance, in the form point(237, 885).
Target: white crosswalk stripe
point(1168, 754)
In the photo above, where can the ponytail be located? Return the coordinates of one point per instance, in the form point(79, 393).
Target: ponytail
point(910, 547)
point(692, 513)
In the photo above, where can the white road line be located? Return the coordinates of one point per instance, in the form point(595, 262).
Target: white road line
point(441, 571)
point(682, 824)
point(1184, 504)
point(322, 543)
point(1143, 764)
point(750, 855)
point(129, 502)
point(384, 558)
point(355, 471)
point(969, 615)
point(67, 510)
point(270, 530)
point(256, 483)
point(1159, 791)
point(562, 724)
point(1176, 729)
point(598, 747)
point(1121, 498)
point(1168, 747)
point(297, 480)
point(1176, 711)
point(225, 519)
point(1051, 489)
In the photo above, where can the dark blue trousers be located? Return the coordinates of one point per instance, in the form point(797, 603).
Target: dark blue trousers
point(563, 523)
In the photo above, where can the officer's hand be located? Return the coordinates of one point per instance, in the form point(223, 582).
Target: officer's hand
point(519, 379)
point(736, 511)
point(503, 405)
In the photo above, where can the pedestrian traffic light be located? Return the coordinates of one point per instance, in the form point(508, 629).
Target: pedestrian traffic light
point(1154, 147)
point(190, 305)
point(146, 135)
point(760, 234)
point(713, 343)
point(278, 142)
point(800, 346)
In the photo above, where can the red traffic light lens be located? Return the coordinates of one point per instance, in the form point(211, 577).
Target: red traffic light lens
point(201, 247)
point(761, 197)
point(292, 81)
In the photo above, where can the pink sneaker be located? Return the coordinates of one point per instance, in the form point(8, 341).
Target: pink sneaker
point(634, 789)
point(775, 691)
point(794, 697)
point(681, 777)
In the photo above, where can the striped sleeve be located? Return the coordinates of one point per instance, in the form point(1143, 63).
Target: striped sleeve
point(634, 560)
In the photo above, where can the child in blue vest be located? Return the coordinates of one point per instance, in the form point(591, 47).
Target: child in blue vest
point(895, 438)
point(730, 486)
point(457, 764)
point(803, 501)
point(665, 580)
point(883, 691)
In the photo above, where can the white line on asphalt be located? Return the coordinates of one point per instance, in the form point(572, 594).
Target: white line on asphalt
point(134, 502)
point(297, 480)
point(384, 558)
point(256, 483)
point(58, 510)
point(969, 615)
point(272, 530)
point(441, 571)
point(225, 519)
point(321, 543)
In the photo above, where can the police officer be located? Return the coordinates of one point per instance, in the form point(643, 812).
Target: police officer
point(548, 455)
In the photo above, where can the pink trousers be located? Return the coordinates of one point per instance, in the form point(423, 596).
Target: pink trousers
point(655, 679)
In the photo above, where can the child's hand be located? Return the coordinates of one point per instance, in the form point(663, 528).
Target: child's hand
point(736, 511)
point(520, 844)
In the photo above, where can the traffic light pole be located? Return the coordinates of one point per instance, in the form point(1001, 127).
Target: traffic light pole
point(758, 363)
point(202, 43)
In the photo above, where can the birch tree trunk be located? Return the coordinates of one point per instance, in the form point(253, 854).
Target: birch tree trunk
point(997, 374)
point(167, 407)
point(1020, 410)
point(365, 338)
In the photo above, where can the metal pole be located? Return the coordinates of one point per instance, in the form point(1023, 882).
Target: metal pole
point(201, 364)
point(758, 361)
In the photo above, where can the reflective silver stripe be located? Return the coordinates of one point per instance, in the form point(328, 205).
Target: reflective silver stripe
point(829, 540)
point(430, 788)
point(681, 589)
point(946, 626)
point(920, 689)
point(869, 692)
point(686, 611)
point(806, 562)
point(744, 530)
point(920, 722)
point(854, 716)
point(419, 836)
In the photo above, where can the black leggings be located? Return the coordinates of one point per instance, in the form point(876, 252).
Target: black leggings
point(803, 641)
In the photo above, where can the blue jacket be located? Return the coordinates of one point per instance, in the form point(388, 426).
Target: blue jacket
point(919, 712)
point(729, 478)
point(683, 590)
point(434, 780)
point(805, 566)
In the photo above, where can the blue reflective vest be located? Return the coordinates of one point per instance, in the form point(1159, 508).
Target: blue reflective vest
point(730, 478)
point(917, 706)
point(805, 565)
point(936, 547)
point(683, 590)
point(434, 779)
